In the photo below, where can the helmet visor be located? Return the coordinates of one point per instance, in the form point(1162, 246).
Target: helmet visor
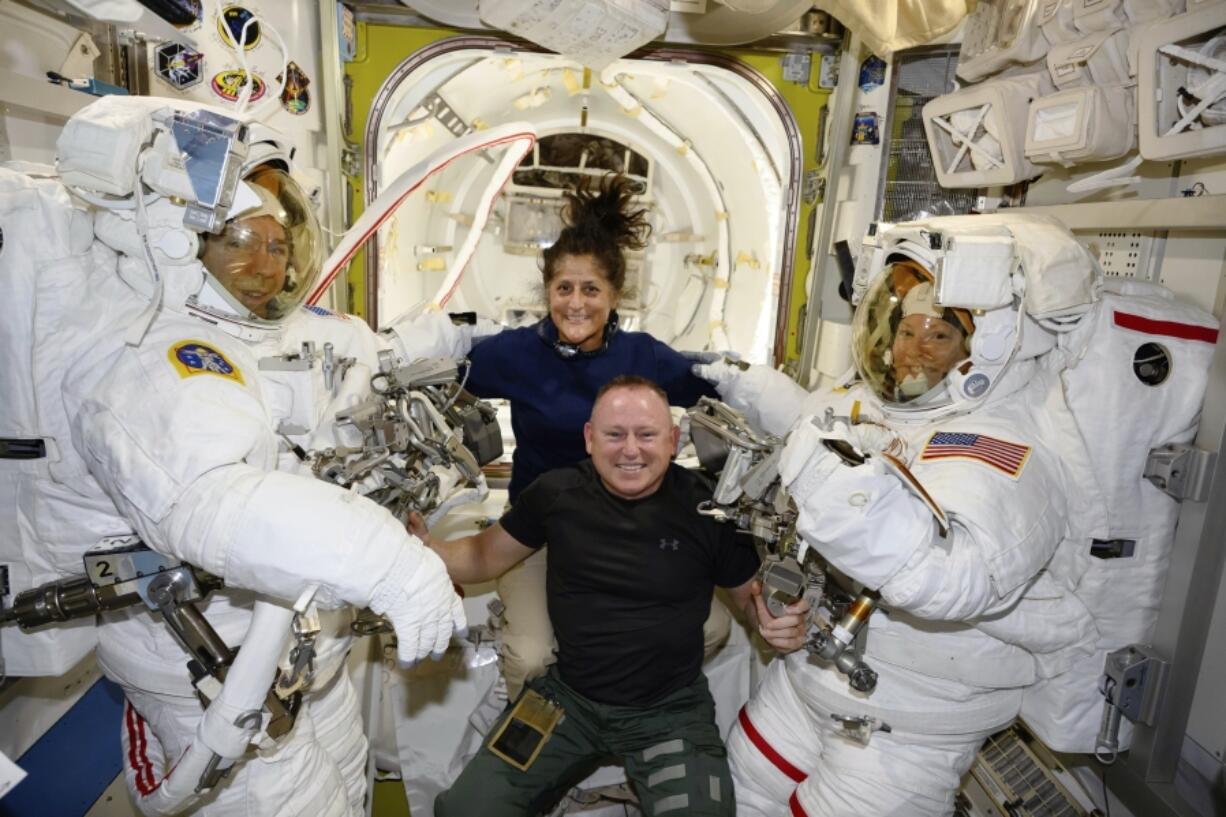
point(903, 343)
point(269, 254)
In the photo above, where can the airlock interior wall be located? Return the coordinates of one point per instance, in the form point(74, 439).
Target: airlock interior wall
point(682, 274)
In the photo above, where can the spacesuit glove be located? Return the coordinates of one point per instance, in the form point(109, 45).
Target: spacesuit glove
point(867, 438)
point(713, 368)
point(871, 438)
point(701, 356)
point(417, 597)
point(769, 399)
point(479, 331)
point(434, 334)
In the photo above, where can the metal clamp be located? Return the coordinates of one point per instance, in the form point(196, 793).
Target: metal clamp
point(1133, 682)
point(832, 644)
point(367, 622)
point(859, 728)
point(301, 656)
point(1183, 471)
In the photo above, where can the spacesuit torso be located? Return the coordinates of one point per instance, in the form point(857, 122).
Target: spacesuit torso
point(973, 611)
point(189, 398)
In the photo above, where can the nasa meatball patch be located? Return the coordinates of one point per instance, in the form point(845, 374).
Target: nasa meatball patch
point(1006, 457)
point(192, 357)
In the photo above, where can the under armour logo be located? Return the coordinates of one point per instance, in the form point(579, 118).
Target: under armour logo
point(670, 544)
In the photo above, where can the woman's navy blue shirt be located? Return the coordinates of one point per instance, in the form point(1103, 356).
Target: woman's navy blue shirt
point(551, 397)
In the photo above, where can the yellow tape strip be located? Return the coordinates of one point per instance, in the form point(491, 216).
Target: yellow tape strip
point(571, 82)
point(721, 215)
point(721, 283)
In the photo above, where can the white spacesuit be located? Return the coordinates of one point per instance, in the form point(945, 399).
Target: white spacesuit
point(950, 366)
point(186, 388)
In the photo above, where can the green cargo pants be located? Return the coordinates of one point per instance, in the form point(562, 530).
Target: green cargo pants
point(672, 752)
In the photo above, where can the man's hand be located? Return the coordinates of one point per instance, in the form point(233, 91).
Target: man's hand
point(417, 526)
point(786, 633)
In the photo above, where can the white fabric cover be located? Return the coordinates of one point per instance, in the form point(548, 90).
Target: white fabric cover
point(892, 25)
point(1055, 266)
point(44, 265)
point(1122, 420)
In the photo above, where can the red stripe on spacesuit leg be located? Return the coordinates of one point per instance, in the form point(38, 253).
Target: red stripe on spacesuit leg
point(1171, 329)
point(797, 809)
point(137, 760)
point(768, 751)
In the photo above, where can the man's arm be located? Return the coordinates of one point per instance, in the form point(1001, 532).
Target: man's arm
point(473, 559)
point(786, 633)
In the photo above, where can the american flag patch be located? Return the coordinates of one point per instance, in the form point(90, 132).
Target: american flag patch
point(325, 313)
point(1009, 458)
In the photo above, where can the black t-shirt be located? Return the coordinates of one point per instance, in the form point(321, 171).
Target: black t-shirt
point(629, 582)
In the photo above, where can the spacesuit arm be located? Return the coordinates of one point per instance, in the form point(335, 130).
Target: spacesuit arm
point(189, 470)
point(769, 399)
point(869, 525)
point(434, 334)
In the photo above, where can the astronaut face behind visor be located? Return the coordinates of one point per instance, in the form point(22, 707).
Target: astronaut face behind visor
point(905, 345)
point(266, 259)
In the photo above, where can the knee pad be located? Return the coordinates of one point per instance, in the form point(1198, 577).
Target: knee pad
point(701, 786)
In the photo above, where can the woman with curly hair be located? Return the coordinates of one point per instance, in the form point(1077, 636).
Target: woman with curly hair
point(550, 372)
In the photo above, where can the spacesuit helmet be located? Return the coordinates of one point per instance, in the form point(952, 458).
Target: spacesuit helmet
point(165, 177)
point(904, 344)
point(954, 311)
point(264, 262)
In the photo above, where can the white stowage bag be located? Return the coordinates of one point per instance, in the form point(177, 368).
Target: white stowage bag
point(44, 261)
point(887, 26)
point(1121, 420)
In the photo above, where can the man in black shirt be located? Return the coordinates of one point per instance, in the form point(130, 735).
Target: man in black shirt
point(632, 567)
